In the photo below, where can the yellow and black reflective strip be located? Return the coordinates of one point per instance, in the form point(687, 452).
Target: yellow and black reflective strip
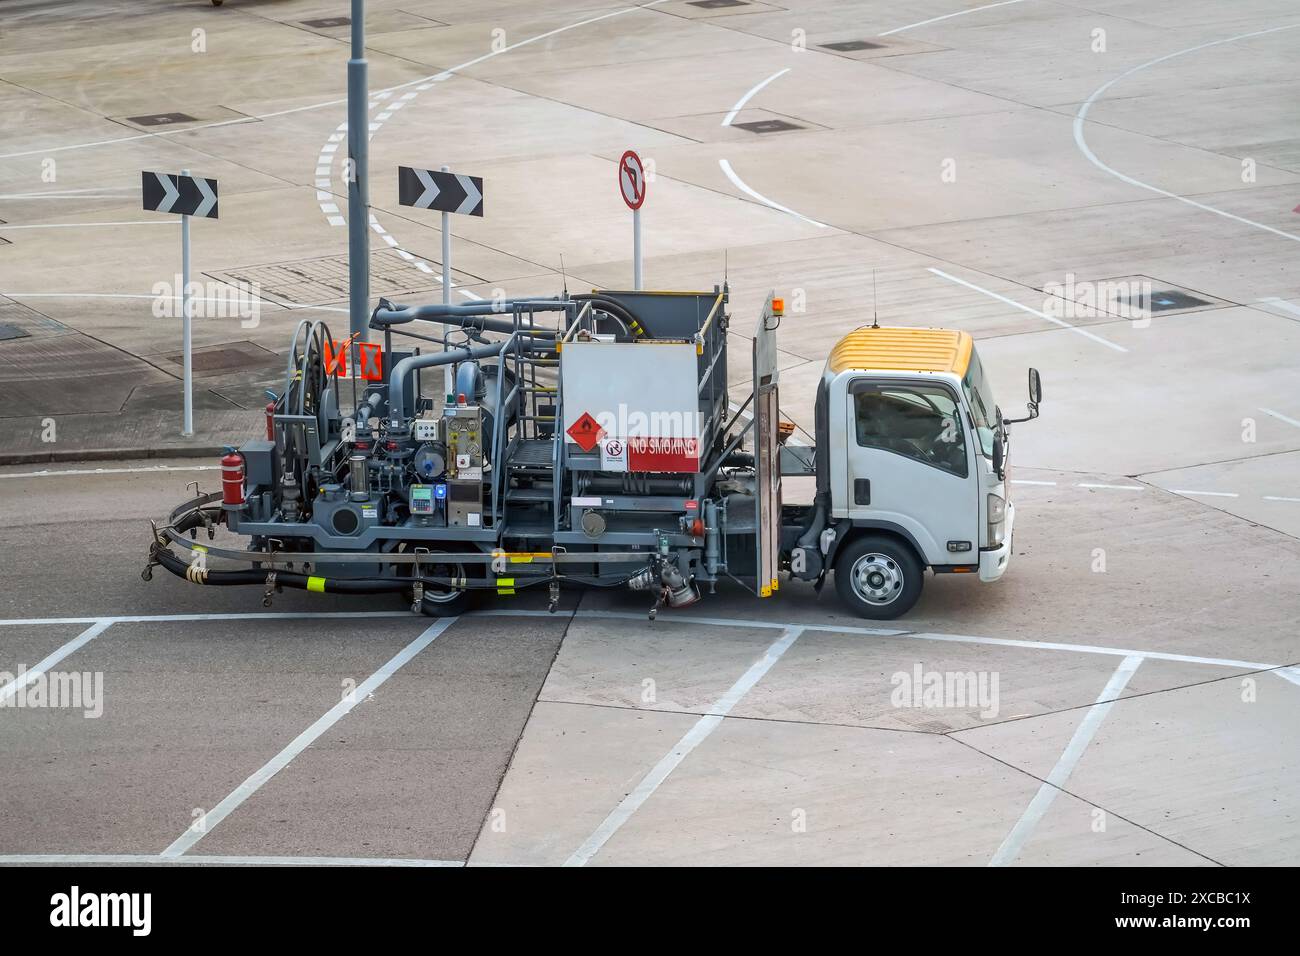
point(505, 585)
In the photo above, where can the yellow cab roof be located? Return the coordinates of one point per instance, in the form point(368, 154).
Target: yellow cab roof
point(903, 350)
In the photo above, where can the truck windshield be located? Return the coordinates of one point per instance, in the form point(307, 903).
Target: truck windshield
point(983, 408)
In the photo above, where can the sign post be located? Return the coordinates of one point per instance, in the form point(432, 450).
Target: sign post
point(631, 183)
point(186, 196)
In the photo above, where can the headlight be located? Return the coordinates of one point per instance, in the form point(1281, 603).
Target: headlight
point(997, 509)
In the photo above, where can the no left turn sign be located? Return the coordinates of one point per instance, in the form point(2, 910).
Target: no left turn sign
point(631, 180)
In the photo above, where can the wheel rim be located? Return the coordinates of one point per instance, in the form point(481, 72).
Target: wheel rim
point(877, 579)
point(440, 595)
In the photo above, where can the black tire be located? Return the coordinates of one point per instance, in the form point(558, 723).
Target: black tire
point(888, 564)
point(449, 607)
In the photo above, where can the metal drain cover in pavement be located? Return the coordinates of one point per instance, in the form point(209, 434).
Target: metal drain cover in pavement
point(235, 355)
point(1163, 300)
point(160, 119)
point(767, 126)
point(849, 46)
point(717, 4)
point(325, 22)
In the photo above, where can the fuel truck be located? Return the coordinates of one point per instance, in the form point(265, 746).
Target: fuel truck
point(592, 440)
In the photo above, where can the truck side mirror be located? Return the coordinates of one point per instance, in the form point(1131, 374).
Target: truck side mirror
point(999, 456)
point(1035, 387)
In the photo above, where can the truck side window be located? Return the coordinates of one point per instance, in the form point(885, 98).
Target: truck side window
point(920, 422)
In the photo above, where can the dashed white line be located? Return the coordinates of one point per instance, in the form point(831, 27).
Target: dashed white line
point(83, 225)
point(1282, 304)
point(1065, 765)
point(690, 740)
point(1024, 308)
point(1082, 116)
point(1089, 484)
point(305, 739)
point(1210, 494)
point(949, 16)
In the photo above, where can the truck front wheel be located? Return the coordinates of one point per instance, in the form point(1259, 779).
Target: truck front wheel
point(878, 577)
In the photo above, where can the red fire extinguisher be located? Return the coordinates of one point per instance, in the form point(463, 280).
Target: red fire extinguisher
point(232, 478)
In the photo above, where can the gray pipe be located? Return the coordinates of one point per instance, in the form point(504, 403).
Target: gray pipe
point(397, 379)
point(470, 315)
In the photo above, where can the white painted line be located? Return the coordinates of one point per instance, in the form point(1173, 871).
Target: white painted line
point(108, 859)
point(1291, 674)
point(949, 16)
point(740, 184)
point(1282, 304)
point(1210, 494)
point(1024, 308)
point(1279, 498)
point(305, 739)
point(692, 739)
point(1280, 417)
point(29, 675)
point(83, 225)
point(1089, 484)
point(664, 618)
point(470, 295)
point(337, 221)
point(1026, 481)
point(1081, 117)
point(740, 103)
point(1065, 765)
point(50, 193)
point(53, 473)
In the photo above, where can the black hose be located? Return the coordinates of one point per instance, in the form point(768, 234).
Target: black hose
point(618, 310)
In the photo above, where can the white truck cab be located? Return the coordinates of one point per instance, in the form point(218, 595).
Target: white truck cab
point(917, 465)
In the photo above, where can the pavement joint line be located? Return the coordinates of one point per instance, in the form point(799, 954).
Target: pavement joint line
point(32, 673)
point(236, 797)
point(698, 733)
point(674, 619)
point(108, 859)
point(1065, 764)
point(1024, 308)
point(949, 16)
point(1081, 141)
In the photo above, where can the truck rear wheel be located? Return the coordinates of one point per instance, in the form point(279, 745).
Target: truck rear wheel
point(878, 577)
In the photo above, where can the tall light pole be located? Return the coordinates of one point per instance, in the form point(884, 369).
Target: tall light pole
point(358, 183)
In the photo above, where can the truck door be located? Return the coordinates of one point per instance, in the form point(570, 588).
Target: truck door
point(911, 464)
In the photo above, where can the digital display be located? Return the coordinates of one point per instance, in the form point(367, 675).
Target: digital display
point(421, 500)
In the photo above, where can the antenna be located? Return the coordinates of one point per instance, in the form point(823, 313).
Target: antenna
point(875, 322)
point(564, 277)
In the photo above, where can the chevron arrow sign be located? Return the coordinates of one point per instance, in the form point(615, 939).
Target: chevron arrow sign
point(182, 195)
point(443, 192)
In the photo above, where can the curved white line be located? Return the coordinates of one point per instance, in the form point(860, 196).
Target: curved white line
point(1082, 143)
point(741, 185)
point(949, 16)
point(740, 103)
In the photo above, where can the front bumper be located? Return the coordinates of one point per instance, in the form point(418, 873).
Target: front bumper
point(994, 561)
